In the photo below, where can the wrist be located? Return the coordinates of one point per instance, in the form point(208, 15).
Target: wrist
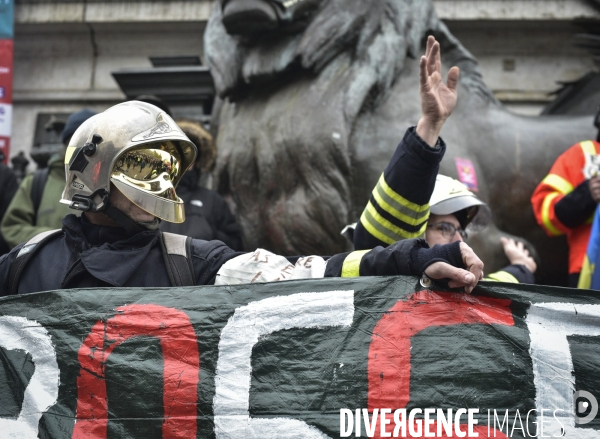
point(429, 131)
point(526, 262)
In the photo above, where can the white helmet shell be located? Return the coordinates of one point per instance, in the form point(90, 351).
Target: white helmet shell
point(451, 196)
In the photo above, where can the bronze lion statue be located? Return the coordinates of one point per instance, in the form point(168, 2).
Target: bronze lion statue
point(316, 94)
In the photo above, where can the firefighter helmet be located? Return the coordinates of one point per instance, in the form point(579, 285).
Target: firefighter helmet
point(450, 196)
point(138, 148)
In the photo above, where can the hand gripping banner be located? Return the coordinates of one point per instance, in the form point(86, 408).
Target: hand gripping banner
point(331, 358)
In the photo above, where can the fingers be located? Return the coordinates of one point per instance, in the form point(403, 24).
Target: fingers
point(434, 60)
point(465, 280)
point(471, 261)
point(423, 74)
point(453, 76)
point(430, 42)
point(438, 59)
point(458, 277)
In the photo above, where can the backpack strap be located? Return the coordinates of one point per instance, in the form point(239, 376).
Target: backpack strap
point(177, 250)
point(37, 189)
point(27, 251)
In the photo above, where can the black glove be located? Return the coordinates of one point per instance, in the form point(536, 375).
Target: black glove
point(421, 257)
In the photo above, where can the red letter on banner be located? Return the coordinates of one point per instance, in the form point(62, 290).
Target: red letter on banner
point(181, 368)
point(389, 353)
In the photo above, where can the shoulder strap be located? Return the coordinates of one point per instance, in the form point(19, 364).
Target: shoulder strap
point(177, 250)
point(24, 255)
point(37, 189)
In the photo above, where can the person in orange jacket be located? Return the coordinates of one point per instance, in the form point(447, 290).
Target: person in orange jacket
point(566, 199)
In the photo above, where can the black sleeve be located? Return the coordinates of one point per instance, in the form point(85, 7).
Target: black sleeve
point(406, 257)
point(521, 273)
point(410, 178)
point(207, 259)
point(576, 207)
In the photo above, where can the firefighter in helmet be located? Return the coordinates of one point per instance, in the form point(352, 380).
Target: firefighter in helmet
point(122, 170)
point(453, 211)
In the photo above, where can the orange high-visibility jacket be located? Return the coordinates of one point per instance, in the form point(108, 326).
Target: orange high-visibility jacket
point(570, 170)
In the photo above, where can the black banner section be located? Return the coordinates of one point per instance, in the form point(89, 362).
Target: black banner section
point(300, 359)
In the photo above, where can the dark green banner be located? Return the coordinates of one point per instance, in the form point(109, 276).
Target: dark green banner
point(301, 359)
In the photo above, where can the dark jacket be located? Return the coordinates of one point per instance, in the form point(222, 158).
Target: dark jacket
point(207, 215)
point(91, 256)
point(399, 205)
point(8, 185)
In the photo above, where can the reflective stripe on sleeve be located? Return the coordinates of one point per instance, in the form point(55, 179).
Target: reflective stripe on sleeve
point(351, 266)
point(546, 214)
point(558, 183)
point(502, 276)
point(398, 206)
point(383, 229)
point(588, 147)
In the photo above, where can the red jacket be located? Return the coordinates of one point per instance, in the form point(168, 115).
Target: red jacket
point(562, 202)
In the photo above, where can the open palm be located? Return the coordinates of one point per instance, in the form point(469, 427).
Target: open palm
point(437, 99)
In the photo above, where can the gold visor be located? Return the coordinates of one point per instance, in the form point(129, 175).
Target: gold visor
point(146, 176)
point(148, 163)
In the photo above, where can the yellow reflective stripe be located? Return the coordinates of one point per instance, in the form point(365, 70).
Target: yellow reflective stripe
point(588, 147)
point(384, 230)
point(585, 277)
point(399, 198)
point(558, 183)
point(397, 209)
point(546, 214)
point(408, 219)
point(502, 276)
point(373, 231)
point(351, 266)
point(69, 154)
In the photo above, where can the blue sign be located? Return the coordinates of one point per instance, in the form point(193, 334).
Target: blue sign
point(7, 19)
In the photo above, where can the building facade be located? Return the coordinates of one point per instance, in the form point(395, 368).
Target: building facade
point(66, 50)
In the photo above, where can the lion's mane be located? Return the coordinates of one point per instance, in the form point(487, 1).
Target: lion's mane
point(353, 51)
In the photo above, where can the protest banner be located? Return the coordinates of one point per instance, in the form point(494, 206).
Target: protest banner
point(364, 357)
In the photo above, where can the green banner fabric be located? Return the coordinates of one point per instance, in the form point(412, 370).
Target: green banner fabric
point(365, 357)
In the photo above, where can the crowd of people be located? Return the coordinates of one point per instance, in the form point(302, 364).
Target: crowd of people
point(127, 184)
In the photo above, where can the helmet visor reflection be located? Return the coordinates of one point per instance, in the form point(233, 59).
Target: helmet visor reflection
point(147, 176)
point(149, 163)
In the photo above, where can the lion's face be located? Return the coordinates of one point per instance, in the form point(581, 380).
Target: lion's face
point(254, 18)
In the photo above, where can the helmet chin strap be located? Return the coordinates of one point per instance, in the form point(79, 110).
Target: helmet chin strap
point(127, 223)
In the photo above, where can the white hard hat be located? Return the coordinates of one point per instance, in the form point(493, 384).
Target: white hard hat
point(450, 196)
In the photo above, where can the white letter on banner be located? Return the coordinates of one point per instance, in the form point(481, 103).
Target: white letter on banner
point(42, 390)
point(248, 323)
point(346, 421)
point(549, 325)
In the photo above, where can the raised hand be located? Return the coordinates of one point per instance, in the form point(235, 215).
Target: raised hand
point(516, 253)
point(437, 99)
